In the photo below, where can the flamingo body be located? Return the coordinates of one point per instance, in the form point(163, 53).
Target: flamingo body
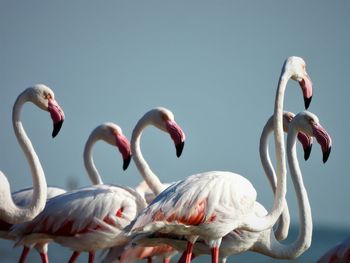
point(72, 219)
point(192, 205)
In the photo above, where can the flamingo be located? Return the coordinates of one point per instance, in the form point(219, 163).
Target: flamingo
point(337, 254)
point(44, 98)
point(265, 242)
point(73, 219)
point(209, 205)
point(163, 119)
point(103, 132)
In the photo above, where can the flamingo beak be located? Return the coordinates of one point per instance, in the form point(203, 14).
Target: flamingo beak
point(307, 152)
point(324, 139)
point(326, 155)
point(124, 147)
point(126, 162)
point(57, 116)
point(179, 148)
point(56, 128)
point(306, 86)
point(306, 141)
point(177, 135)
point(307, 102)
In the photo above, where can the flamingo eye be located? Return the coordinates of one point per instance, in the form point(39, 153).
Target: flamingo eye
point(165, 117)
point(48, 96)
point(114, 132)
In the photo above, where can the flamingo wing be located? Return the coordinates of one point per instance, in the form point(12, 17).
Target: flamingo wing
point(197, 200)
point(75, 212)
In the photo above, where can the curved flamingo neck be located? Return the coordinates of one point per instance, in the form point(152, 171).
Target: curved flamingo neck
point(258, 224)
point(303, 241)
point(282, 229)
point(12, 213)
point(90, 167)
point(265, 156)
point(150, 178)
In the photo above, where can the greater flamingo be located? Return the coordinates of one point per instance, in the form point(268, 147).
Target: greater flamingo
point(209, 205)
point(265, 242)
point(103, 132)
point(163, 119)
point(73, 219)
point(337, 254)
point(44, 98)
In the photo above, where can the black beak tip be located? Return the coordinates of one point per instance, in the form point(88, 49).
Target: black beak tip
point(307, 152)
point(307, 102)
point(326, 155)
point(126, 162)
point(179, 148)
point(56, 128)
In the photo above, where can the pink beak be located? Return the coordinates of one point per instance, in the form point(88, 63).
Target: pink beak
point(306, 86)
point(57, 116)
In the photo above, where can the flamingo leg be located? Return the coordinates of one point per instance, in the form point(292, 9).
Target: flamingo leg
point(149, 260)
point(215, 255)
point(189, 252)
point(44, 258)
point(74, 257)
point(24, 255)
point(182, 259)
point(166, 260)
point(91, 257)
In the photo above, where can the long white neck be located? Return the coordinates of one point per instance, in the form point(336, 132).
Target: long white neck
point(150, 178)
point(258, 224)
point(9, 212)
point(90, 167)
point(302, 243)
point(282, 229)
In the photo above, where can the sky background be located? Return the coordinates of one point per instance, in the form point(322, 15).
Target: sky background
point(214, 64)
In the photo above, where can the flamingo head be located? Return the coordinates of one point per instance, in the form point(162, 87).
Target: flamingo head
point(296, 68)
point(113, 134)
point(304, 139)
point(164, 120)
point(310, 125)
point(44, 98)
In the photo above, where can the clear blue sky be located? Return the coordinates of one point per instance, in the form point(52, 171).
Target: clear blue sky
point(215, 64)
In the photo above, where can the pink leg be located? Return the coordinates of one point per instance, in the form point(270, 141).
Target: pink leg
point(189, 252)
point(74, 257)
point(149, 260)
point(44, 258)
point(166, 260)
point(24, 255)
point(215, 255)
point(91, 257)
point(183, 257)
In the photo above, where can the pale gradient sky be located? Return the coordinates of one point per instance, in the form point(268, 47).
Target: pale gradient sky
point(215, 64)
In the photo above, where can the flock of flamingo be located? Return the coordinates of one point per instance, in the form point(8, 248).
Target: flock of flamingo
point(214, 213)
